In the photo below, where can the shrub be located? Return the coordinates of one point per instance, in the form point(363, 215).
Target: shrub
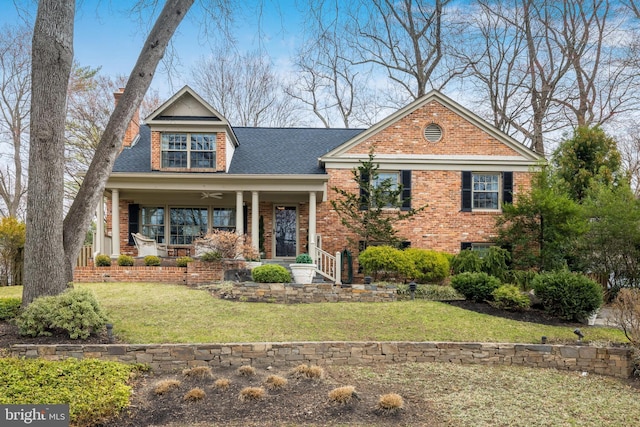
point(343, 395)
point(467, 261)
point(509, 297)
point(152, 261)
point(211, 256)
point(386, 261)
point(523, 278)
point(195, 394)
point(275, 382)
point(390, 403)
point(251, 393)
point(95, 390)
point(494, 262)
point(222, 383)
point(567, 295)
point(271, 273)
point(430, 266)
point(228, 243)
point(183, 261)
point(626, 314)
point(102, 260)
point(430, 292)
point(475, 286)
point(75, 312)
point(166, 386)
point(304, 259)
point(125, 260)
point(9, 308)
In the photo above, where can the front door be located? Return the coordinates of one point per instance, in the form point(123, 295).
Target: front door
point(286, 222)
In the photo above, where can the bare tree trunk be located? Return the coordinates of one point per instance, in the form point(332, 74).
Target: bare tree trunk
point(52, 242)
point(52, 57)
point(82, 210)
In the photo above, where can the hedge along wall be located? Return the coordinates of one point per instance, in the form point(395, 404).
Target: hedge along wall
point(195, 273)
point(612, 361)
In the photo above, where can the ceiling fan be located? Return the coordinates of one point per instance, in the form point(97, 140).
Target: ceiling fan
point(205, 195)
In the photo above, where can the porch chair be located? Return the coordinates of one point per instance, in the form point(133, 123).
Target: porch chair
point(147, 246)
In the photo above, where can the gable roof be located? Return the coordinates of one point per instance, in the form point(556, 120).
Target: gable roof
point(525, 153)
point(278, 151)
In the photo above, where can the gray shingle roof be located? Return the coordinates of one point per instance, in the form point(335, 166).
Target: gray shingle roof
point(261, 150)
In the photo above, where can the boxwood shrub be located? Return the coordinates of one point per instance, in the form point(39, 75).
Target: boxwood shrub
point(152, 261)
point(430, 266)
point(475, 286)
point(271, 273)
point(125, 260)
point(510, 297)
point(386, 261)
point(568, 295)
point(102, 260)
point(183, 261)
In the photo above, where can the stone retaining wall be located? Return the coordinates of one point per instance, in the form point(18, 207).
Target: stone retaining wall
point(291, 293)
point(616, 362)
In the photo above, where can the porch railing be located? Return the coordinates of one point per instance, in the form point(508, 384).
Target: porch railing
point(328, 265)
point(84, 256)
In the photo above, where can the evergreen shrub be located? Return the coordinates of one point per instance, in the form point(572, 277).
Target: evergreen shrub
point(75, 312)
point(509, 297)
point(430, 266)
point(271, 273)
point(102, 260)
point(183, 261)
point(386, 261)
point(152, 261)
point(475, 286)
point(125, 260)
point(467, 261)
point(568, 295)
point(9, 308)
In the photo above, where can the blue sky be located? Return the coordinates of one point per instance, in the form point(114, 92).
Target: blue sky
point(107, 36)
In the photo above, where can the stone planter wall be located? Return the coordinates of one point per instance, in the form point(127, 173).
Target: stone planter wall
point(291, 293)
point(616, 362)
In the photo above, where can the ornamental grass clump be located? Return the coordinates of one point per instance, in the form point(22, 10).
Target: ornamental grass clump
point(251, 393)
point(166, 386)
point(246, 371)
point(390, 404)
point(308, 372)
point(195, 394)
point(343, 395)
point(199, 372)
point(275, 382)
point(222, 383)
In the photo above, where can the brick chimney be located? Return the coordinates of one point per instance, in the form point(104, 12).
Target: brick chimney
point(134, 125)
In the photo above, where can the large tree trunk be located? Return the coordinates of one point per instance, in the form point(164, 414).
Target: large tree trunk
point(84, 206)
point(53, 243)
point(52, 57)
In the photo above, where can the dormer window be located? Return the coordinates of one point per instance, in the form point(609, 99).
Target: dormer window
point(189, 150)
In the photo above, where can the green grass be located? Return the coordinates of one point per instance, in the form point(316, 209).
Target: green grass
point(158, 313)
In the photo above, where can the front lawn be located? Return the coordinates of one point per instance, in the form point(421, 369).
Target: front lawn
point(159, 313)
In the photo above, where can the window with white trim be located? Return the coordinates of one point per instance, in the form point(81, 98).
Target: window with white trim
point(486, 191)
point(188, 150)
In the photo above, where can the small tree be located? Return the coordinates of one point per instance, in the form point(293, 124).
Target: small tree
point(12, 236)
point(372, 213)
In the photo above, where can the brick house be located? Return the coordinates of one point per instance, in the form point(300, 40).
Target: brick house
point(187, 170)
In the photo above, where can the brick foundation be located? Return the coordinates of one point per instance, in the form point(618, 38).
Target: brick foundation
point(615, 362)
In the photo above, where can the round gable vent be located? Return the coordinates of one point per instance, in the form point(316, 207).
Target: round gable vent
point(433, 133)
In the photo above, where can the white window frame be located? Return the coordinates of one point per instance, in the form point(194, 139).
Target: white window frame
point(164, 148)
point(497, 191)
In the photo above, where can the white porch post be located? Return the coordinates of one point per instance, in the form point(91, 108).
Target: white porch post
point(115, 223)
point(312, 226)
point(255, 220)
point(239, 213)
point(99, 237)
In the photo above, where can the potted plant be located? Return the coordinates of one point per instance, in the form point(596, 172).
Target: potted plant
point(303, 270)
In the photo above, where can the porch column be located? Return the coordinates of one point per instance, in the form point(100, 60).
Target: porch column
point(115, 223)
point(255, 220)
point(312, 226)
point(98, 240)
point(239, 213)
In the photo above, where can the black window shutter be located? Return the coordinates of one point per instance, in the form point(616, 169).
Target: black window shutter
point(466, 191)
point(134, 221)
point(507, 187)
point(245, 219)
point(466, 245)
point(405, 176)
point(364, 194)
